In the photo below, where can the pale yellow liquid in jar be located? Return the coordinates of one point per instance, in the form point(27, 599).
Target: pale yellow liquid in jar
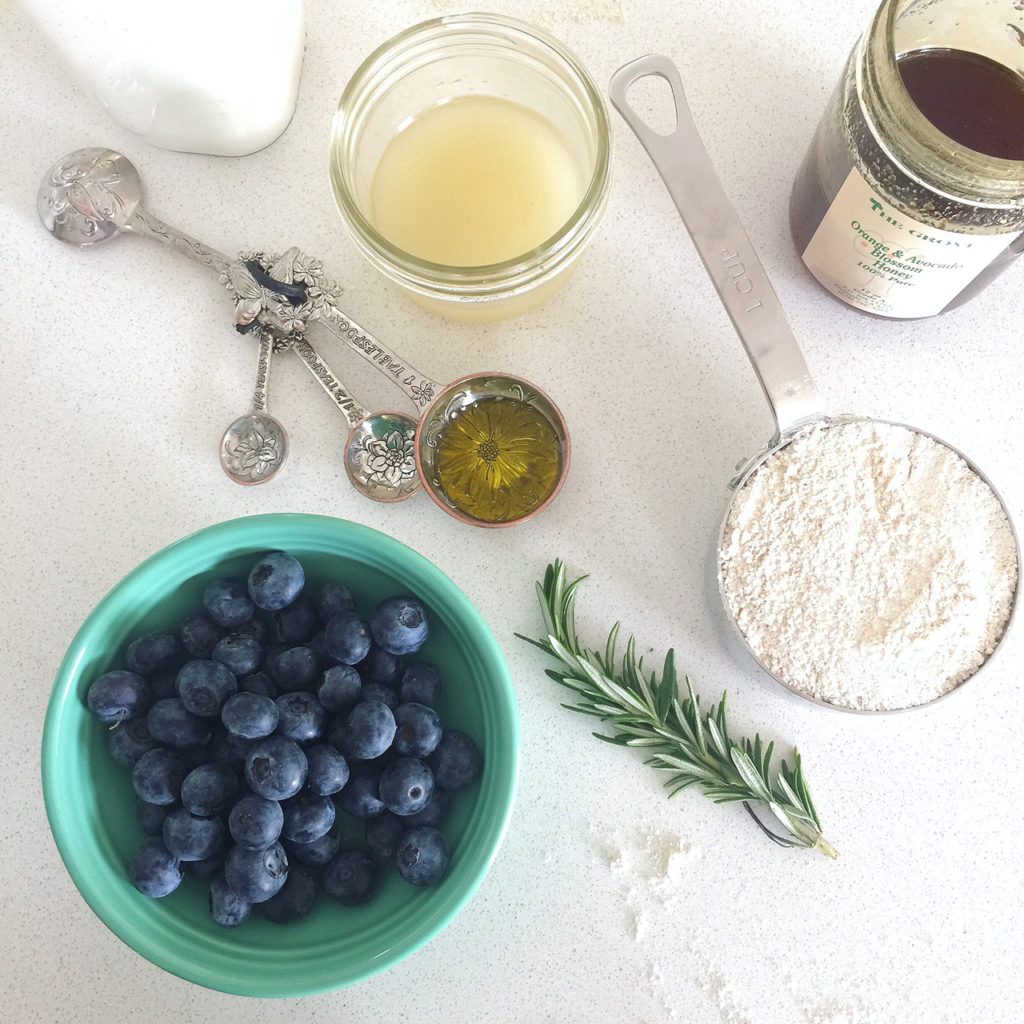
point(475, 181)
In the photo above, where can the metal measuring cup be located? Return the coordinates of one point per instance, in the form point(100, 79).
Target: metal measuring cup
point(756, 313)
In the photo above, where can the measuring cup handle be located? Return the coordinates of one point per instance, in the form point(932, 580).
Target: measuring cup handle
point(723, 246)
point(420, 389)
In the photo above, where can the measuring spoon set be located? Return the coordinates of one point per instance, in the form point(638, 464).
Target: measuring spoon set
point(93, 195)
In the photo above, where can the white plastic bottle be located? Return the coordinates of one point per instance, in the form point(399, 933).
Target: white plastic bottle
point(202, 76)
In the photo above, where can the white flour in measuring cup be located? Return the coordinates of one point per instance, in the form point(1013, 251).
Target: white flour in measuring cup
point(867, 565)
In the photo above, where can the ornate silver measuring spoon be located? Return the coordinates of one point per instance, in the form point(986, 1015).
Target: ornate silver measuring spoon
point(379, 455)
point(94, 194)
point(255, 445)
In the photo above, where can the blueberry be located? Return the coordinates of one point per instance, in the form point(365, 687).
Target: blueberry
point(275, 768)
point(432, 813)
point(227, 908)
point(276, 580)
point(332, 598)
point(351, 878)
point(154, 871)
point(456, 762)
point(339, 687)
point(418, 730)
point(151, 816)
point(240, 653)
point(152, 653)
point(255, 628)
point(399, 625)
point(421, 684)
point(295, 624)
point(203, 686)
point(294, 899)
point(347, 638)
point(158, 775)
point(129, 741)
point(199, 635)
point(380, 692)
point(255, 823)
point(249, 715)
point(258, 682)
point(190, 837)
point(163, 685)
point(361, 796)
point(317, 853)
point(226, 748)
point(171, 723)
point(368, 730)
point(379, 666)
point(328, 770)
point(300, 716)
point(227, 602)
point(307, 817)
point(209, 789)
point(422, 855)
point(382, 835)
point(294, 668)
point(256, 875)
point(406, 786)
point(206, 868)
point(115, 696)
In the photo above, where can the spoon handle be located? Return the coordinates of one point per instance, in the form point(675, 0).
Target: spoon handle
point(723, 245)
point(144, 223)
point(263, 359)
point(329, 381)
point(420, 389)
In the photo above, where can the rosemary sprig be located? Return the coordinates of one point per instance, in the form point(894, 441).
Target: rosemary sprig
point(693, 747)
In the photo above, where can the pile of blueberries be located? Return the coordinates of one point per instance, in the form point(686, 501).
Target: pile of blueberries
point(242, 757)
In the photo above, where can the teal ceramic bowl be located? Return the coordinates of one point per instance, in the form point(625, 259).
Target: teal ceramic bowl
point(89, 798)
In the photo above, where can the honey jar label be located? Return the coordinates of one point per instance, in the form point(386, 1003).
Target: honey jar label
point(876, 258)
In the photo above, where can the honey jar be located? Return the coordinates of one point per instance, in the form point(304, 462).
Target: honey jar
point(910, 200)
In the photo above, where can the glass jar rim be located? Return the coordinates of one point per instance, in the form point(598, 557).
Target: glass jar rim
point(920, 141)
point(523, 269)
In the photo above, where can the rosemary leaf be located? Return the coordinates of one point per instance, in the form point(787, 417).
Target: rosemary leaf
point(649, 713)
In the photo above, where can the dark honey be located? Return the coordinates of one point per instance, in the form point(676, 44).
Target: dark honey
point(976, 101)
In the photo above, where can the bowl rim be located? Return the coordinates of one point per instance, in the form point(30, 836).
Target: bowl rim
point(487, 840)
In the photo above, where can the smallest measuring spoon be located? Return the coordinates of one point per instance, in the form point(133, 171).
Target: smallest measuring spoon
point(255, 445)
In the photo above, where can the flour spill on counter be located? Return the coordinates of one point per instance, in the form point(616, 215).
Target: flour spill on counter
point(651, 866)
point(653, 871)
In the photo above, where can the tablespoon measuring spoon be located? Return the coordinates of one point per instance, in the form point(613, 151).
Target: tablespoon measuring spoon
point(95, 194)
point(754, 308)
point(255, 445)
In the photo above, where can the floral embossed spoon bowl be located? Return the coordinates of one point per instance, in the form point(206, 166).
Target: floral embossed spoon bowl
point(255, 445)
point(379, 453)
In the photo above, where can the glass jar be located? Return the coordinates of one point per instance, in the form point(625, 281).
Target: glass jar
point(891, 215)
point(434, 63)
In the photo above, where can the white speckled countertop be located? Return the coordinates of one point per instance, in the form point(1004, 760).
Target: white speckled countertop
point(606, 903)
